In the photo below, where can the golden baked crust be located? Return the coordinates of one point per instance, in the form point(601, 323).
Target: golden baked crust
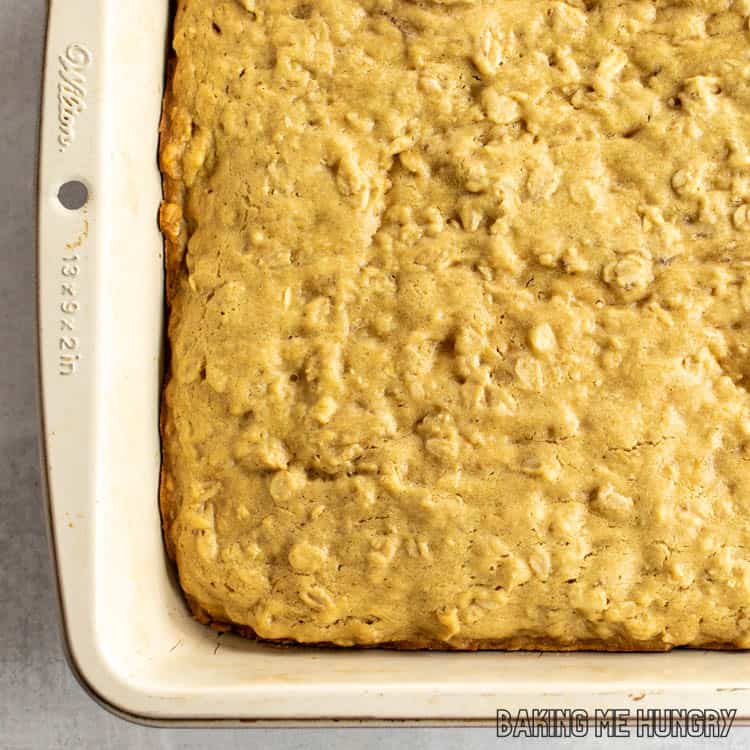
point(458, 320)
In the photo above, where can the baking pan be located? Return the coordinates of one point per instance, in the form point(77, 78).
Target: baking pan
point(129, 637)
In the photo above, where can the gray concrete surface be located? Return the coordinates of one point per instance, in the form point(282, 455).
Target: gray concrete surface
point(41, 706)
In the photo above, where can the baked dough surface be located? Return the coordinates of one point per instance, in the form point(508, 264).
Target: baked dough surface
point(459, 329)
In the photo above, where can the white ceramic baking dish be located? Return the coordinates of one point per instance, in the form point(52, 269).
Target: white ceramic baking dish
point(129, 637)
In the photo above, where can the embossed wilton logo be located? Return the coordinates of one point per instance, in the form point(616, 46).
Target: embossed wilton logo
point(71, 91)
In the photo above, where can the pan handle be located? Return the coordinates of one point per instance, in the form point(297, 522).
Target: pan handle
point(69, 241)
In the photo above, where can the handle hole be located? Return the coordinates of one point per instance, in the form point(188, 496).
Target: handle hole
point(73, 195)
